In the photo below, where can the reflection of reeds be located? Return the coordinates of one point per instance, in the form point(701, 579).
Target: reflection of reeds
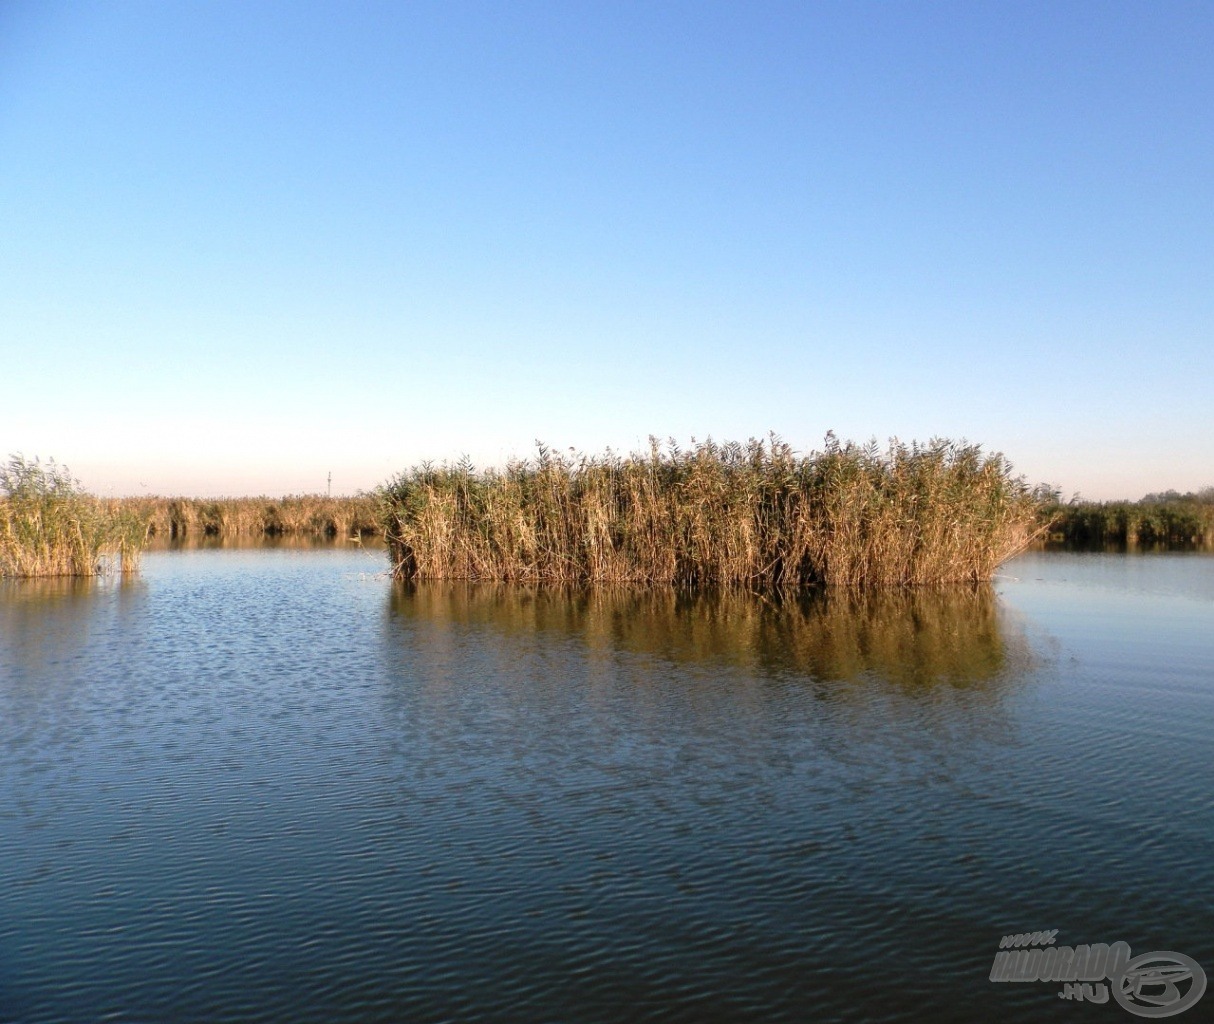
point(294, 515)
point(755, 516)
point(907, 636)
point(253, 542)
point(49, 527)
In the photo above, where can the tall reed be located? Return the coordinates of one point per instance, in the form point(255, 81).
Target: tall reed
point(50, 527)
point(754, 515)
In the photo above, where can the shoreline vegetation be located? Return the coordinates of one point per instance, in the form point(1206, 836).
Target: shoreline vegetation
point(49, 526)
point(300, 515)
point(756, 516)
point(1168, 519)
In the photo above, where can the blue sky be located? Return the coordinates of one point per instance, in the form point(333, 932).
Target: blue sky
point(243, 245)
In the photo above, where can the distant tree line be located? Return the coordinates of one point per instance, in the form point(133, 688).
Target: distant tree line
point(1165, 517)
point(1203, 497)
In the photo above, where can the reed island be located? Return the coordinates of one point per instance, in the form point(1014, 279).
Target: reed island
point(754, 515)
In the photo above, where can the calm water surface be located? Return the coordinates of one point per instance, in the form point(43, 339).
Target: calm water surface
point(269, 785)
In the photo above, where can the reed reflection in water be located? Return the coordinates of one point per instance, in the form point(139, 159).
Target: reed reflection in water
point(909, 637)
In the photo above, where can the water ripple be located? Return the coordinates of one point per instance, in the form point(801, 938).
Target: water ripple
point(268, 786)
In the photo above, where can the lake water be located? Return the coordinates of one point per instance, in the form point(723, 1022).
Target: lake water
point(271, 785)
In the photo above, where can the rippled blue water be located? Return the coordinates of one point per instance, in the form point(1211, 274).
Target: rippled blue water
point(269, 785)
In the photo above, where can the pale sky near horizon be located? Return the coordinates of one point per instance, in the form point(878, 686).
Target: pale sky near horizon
point(244, 245)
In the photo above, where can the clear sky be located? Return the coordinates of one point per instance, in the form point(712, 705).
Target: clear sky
point(246, 244)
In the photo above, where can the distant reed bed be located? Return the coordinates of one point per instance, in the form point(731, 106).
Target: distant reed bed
point(1167, 519)
point(753, 515)
point(50, 527)
point(302, 515)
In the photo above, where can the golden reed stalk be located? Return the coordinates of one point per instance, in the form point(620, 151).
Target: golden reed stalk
point(50, 527)
point(755, 516)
